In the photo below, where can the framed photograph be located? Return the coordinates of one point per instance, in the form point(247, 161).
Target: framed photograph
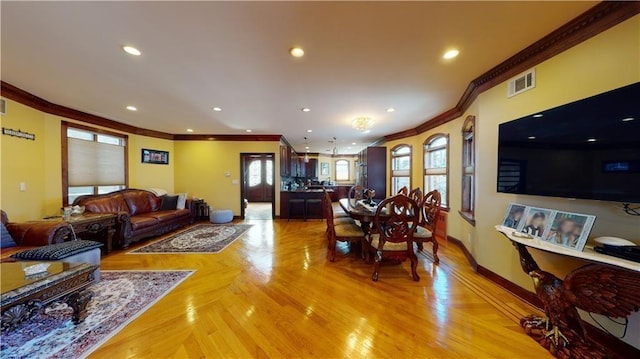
point(514, 215)
point(324, 169)
point(537, 221)
point(155, 157)
point(570, 230)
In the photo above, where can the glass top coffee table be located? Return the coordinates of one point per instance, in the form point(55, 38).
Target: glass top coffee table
point(24, 296)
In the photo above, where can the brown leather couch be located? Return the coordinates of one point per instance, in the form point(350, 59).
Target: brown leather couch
point(34, 234)
point(139, 214)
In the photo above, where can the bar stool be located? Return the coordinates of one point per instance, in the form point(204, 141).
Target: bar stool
point(314, 208)
point(301, 207)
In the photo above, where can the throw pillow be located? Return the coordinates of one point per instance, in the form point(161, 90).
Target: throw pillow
point(5, 236)
point(169, 203)
point(182, 201)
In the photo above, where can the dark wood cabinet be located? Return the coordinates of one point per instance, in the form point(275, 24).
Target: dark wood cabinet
point(372, 170)
point(311, 168)
point(285, 161)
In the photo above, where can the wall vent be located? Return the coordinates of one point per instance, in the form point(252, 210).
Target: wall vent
point(3, 106)
point(521, 83)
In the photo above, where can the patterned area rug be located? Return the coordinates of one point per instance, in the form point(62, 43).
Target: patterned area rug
point(201, 238)
point(119, 298)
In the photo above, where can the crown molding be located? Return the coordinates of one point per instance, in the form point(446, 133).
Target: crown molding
point(592, 22)
point(251, 138)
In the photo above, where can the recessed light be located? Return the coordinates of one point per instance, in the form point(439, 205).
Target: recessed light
point(306, 109)
point(296, 51)
point(591, 140)
point(131, 50)
point(353, 143)
point(189, 130)
point(248, 130)
point(309, 131)
point(306, 147)
point(391, 109)
point(307, 151)
point(132, 108)
point(217, 109)
point(366, 131)
point(538, 115)
point(532, 137)
point(628, 119)
point(453, 53)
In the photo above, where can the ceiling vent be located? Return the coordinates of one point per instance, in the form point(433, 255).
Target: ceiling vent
point(3, 106)
point(521, 83)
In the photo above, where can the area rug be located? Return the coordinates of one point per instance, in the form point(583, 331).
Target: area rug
point(201, 238)
point(119, 298)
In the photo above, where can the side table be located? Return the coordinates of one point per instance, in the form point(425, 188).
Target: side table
point(94, 226)
point(200, 209)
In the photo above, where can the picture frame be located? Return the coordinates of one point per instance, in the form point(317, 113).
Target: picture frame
point(155, 157)
point(537, 221)
point(324, 168)
point(514, 215)
point(570, 230)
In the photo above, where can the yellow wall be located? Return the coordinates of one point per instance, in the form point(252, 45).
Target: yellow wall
point(201, 167)
point(39, 164)
point(605, 62)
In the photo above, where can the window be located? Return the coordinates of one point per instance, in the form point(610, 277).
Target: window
point(400, 168)
point(342, 170)
point(255, 173)
point(436, 166)
point(468, 169)
point(94, 161)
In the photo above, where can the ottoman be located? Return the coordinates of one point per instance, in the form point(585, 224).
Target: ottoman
point(220, 216)
point(79, 251)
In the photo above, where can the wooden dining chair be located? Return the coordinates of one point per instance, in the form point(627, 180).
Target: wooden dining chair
point(425, 232)
point(392, 235)
point(416, 195)
point(343, 231)
point(404, 191)
point(356, 193)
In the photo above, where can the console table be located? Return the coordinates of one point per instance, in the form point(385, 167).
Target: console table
point(25, 296)
point(95, 226)
point(610, 286)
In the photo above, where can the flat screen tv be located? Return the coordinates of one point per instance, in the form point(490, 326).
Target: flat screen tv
point(586, 149)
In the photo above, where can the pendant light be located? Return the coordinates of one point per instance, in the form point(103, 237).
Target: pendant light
point(306, 155)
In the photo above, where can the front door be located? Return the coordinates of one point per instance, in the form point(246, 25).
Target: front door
point(259, 178)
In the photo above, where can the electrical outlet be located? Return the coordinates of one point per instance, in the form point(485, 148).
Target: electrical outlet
point(235, 182)
point(23, 186)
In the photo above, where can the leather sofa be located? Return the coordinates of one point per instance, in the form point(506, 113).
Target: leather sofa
point(139, 214)
point(34, 234)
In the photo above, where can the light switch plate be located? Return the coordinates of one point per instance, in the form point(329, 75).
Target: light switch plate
point(23, 186)
point(235, 182)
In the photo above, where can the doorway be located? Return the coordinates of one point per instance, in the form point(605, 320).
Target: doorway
point(258, 190)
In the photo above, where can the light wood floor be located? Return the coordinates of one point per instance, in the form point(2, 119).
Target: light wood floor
point(273, 294)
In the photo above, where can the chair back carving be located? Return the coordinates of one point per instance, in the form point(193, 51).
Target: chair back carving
point(328, 208)
point(416, 195)
point(356, 193)
point(430, 210)
point(399, 222)
point(404, 191)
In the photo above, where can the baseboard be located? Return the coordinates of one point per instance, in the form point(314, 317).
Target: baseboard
point(465, 251)
point(616, 347)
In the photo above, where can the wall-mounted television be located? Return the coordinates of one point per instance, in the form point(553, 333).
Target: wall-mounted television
point(586, 149)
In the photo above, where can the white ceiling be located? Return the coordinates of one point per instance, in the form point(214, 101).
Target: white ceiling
point(361, 58)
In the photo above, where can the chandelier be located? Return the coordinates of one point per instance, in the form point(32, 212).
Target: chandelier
point(362, 123)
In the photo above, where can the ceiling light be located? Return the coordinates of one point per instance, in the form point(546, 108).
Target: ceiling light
point(132, 108)
point(248, 131)
point(591, 140)
point(391, 109)
point(538, 115)
point(353, 143)
point(131, 50)
point(306, 147)
point(217, 109)
point(628, 119)
point(532, 137)
point(306, 109)
point(309, 131)
point(296, 51)
point(362, 123)
point(451, 54)
point(189, 130)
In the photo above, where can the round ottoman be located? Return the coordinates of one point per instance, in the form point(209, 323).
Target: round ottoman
point(221, 216)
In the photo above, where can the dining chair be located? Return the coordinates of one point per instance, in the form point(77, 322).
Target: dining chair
point(343, 231)
point(392, 236)
point(404, 191)
point(428, 220)
point(356, 193)
point(416, 195)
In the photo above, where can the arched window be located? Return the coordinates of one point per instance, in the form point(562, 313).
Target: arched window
point(468, 169)
point(436, 166)
point(342, 170)
point(400, 168)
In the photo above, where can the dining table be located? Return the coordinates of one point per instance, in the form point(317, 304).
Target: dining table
point(362, 214)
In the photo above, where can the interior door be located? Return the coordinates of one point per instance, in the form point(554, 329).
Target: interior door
point(259, 181)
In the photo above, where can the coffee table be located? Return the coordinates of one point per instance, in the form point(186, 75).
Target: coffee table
point(22, 296)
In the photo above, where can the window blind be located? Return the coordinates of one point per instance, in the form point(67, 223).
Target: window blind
point(95, 164)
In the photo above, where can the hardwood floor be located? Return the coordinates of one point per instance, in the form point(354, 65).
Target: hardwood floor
point(272, 293)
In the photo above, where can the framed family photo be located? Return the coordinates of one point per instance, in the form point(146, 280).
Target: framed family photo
point(537, 220)
point(155, 157)
point(514, 215)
